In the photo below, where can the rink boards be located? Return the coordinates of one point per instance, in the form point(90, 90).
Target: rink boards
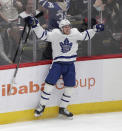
point(98, 89)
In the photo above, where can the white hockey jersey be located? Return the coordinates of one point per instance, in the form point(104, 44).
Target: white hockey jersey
point(64, 47)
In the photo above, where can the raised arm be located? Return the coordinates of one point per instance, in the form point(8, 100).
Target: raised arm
point(39, 31)
point(89, 34)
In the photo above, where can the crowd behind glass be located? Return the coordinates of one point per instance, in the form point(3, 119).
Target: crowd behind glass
point(12, 14)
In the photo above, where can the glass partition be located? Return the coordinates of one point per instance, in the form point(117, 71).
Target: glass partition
point(107, 12)
point(78, 14)
point(83, 14)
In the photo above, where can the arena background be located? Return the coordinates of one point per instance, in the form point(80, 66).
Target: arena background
point(98, 66)
point(82, 15)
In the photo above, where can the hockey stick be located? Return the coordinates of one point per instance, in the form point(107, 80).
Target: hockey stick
point(21, 37)
point(17, 67)
point(37, 16)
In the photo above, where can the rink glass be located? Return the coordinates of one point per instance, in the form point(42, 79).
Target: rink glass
point(83, 14)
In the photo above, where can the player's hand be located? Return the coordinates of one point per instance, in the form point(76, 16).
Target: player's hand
point(99, 27)
point(31, 21)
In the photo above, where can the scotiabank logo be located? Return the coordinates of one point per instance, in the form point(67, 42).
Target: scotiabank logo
point(34, 88)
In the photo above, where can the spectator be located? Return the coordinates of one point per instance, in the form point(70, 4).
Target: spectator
point(19, 5)
point(29, 10)
point(5, 59)
point(57, 11)
point(107, 12)
point(8, 19)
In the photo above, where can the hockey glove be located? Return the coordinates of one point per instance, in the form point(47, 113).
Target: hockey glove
point(31, 21)
point(99, 27)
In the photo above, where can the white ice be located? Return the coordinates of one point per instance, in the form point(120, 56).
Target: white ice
point(86, 122)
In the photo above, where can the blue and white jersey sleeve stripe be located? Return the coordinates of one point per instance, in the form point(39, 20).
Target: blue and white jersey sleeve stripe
point(86, 35)
point(41, 33)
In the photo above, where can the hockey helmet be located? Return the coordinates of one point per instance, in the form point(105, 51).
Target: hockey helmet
point(63, 23)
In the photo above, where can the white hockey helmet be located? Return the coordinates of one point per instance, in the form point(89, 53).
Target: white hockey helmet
point(63, 23)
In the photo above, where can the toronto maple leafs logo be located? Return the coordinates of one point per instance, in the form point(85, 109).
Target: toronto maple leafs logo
point(65, 46)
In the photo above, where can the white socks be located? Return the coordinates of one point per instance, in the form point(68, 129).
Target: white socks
point(45, 95)
point(66, 97)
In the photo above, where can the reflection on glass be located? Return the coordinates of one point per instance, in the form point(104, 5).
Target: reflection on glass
point(13, 12)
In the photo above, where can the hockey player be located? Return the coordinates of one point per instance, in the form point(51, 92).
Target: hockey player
point(57, 10)
point(64, 46)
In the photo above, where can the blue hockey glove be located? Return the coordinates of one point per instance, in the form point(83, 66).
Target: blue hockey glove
point(99, 27)
point(31, 21)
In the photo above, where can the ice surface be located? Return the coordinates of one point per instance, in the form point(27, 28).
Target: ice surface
point(85, 122)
